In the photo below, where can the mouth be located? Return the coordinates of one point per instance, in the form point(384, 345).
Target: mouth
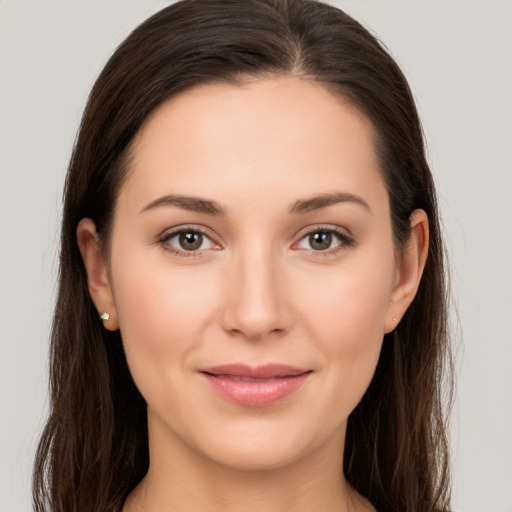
point(255, 386)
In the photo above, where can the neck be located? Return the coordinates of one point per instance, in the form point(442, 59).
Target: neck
point(181, 480)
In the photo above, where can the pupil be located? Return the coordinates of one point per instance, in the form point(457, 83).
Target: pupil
point(190, 241)
point(320, 240)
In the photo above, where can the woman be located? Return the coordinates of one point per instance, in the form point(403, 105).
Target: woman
point(251, 310)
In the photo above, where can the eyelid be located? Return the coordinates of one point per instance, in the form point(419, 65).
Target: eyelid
point(346, 239)
point(170, 233)
point(344, 236)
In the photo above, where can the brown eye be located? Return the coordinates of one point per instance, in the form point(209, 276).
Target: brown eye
point(325, 241)
point(190, 240)
point(187, 242)
point(320, 240)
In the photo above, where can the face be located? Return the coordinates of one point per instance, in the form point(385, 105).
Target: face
point(252, 270)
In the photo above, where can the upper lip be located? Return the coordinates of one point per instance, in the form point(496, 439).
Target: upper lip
point(266, 371)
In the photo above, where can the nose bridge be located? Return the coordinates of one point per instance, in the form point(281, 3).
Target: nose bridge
point(255, 305)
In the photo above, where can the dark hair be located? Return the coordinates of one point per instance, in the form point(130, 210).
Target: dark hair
point(94, 449)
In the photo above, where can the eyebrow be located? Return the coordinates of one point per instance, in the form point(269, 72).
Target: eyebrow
point(209, 207)
point(193, 204)
point(324, 200)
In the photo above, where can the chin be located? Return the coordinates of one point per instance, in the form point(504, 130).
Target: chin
point(249, 459)
point(256, 446)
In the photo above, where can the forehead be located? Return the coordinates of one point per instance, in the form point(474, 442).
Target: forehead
point(284, 134)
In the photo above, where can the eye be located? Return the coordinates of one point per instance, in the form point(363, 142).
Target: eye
point(324, 240)
point(188, 241)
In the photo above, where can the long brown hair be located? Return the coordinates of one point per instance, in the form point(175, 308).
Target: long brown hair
point(94, 449)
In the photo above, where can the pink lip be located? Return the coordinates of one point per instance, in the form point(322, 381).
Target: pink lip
point(255, 386)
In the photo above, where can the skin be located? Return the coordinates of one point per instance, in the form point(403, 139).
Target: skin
point(257, 291)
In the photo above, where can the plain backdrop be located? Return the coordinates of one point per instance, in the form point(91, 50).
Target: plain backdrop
point(457, 55)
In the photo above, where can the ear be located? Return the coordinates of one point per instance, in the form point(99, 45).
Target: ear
point(97, 275)
point(409, 270)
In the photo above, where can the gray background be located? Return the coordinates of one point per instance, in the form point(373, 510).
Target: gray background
point(457, 55)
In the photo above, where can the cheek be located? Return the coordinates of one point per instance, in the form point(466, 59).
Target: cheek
point(346, 315)
point(162, 312)
point(351, 305)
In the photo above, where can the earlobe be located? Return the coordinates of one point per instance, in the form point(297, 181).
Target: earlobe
point(97, 276)
point(412, 264)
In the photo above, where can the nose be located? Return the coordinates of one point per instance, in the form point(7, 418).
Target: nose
point(255, 302)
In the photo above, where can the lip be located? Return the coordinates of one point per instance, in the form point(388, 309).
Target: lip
point(255, 386)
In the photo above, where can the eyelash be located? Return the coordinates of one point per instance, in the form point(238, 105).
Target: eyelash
point(346, 241)
point(186, 254)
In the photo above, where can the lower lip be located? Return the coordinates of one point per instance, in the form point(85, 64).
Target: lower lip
point(256, 393)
